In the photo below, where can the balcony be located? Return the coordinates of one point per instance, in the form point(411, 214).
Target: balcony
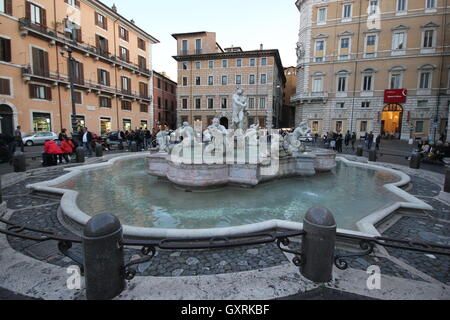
point(198, 51)
point(42, 32)
point(184, 52)
point(321, 96)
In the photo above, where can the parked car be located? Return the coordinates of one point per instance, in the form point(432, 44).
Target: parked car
point(39, 138)
point(308, 138)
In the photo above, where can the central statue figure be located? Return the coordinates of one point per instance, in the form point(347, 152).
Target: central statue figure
point(240, 110)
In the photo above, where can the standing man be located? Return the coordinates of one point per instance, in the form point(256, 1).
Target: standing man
point(18, 139)
point(370, 140)
point(87, 141)
point(378, 142)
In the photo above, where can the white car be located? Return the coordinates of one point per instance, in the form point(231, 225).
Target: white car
point(308, 138)
point(39, 138)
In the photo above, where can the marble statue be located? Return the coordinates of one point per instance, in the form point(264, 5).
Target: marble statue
point(214, 129)
point(163, 139)
point(239, 110)
point(292, 140)
point(252, 134)
point(187, 132)
point(300, 51)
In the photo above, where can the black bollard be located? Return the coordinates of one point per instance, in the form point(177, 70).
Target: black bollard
point(414, 163)
point(103, 257)
point(19, 162)
point(359, 151)
point(79, 153)
point(134, 147)
point(373, 155)
point(98, 150)
point(318, 245)
point(446, 184)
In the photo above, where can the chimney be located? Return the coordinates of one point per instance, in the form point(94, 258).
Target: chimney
point(114, 8)
point(261, 47)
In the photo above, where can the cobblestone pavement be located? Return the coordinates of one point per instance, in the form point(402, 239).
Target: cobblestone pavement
point(41, 212)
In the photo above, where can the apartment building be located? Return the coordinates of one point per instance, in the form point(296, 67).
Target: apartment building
point(374, 65)
point(111, 67)
point(208, 76)
point(164, 101)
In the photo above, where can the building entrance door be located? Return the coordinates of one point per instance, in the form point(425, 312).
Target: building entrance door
point(6, 120)
point(391, 124)
point(224, 122)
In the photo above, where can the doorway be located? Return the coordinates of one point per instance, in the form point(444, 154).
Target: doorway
point(6, 120)
point(391, 123)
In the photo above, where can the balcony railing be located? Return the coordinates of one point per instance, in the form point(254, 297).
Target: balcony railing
point(184, 52)
point(198, 51)
point(25, 24)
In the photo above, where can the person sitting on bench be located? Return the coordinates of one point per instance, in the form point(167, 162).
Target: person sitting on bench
point(51, 152)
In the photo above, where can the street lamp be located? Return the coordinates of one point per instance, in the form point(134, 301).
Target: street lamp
point(72, 92)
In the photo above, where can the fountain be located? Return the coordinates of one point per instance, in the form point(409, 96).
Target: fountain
point(243, 156)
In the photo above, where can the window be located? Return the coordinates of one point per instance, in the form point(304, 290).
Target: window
point(210, 103)
point(262, 103)
point(239, 63)
point(126, 105)
point(126, 85)
point(251, 79)
point(159, 102)
point(338, 126)
point(37, 13)
point(238, 79)
point(197, 65)
point(320, 45)
point(317, 85)
point(197, 81)
point(40, 92)
point(42, 122)
point(340, 105)
point(401, 5)
point(251, 103)
point(224, 63)
point(367, 83)
point(101, 21)
point(184, 103)
point(365, 104)
point(142, 63)
point(124, 54)
point(396, 80)
point(224, 80)
point(345, 43)
point(198, 103)
point(40, 62)
point(398, 41)
point(210, 80)
point(422, 104)
point(428, 38)
point(224, 103)
point(342, 84)
point(143, 90)
point(211, 64)
point(263, 78)
point(78, 97)
point(264, 61)
point(159, 83)
point(5, 49)
point(5, 87)
point(123, 34)
point(322, 15)
point(141, 44)
point(184, 46)
point(373, 7)
point(371, 40)
point(315, 126)
point(363, 126)
point(105, 102)
point(319, 48)
point(347, 11)
point(198, 46)
point(252, 62)
point(6, 6)
point(185, 81)
point(430, 4)
point(425, 80)
point(419, 126)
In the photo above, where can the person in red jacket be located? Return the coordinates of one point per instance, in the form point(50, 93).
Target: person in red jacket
point(51, 152)
point(67, 147)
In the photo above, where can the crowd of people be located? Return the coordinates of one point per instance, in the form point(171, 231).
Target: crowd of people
point(336, 141)
point(434, 152)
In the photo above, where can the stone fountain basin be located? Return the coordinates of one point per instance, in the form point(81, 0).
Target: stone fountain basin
point(204, 176)
point(71, 213)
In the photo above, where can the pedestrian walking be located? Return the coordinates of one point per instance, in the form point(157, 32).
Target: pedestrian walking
point(378, 142)
point(87, 141)
point(18, 139)
point(370, 140)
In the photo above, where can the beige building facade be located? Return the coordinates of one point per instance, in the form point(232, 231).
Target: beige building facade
point(352, 52)
point(112, 67)
point(208, 76)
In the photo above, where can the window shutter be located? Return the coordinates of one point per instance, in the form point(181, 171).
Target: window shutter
point(8, 7)
point(45, 64)
point(105, 23)
point(106, 46)
point(32, 91)
point(108, 80)
point(66, 1)
point(28, 10)
point(77, 3)
point(81, 66)
point(99, 75)
point(109, 101)
point(79, 35)
point(44, 17)
point(96, 18)
point(97, 41)
point(48, 93)
point(6, 87)
point(36, 61)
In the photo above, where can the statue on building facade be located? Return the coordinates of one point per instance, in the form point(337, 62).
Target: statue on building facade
point(300, 52)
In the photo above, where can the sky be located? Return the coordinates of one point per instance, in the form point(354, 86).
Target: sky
point(241, 23)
